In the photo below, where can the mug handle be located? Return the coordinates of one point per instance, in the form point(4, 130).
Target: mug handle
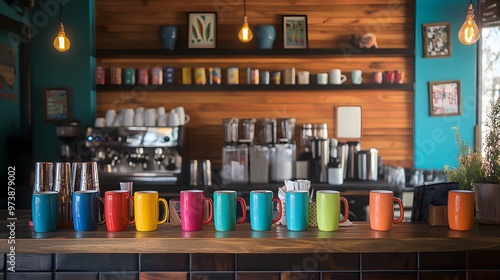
point(101, 213)
point(186, 119)
point(243, 209)
point(401, 211)
point(346, 210)
point(163, 201)
point(130, 222)
point(211, 211)
point(343, 78)
point(280, 210)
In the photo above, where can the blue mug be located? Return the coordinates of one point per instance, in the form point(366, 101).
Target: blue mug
point(225, 210)
point(45, 210)
point(297, 210)
point(86, 210)
point(261, 209)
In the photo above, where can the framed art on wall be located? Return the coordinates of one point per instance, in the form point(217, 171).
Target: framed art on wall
point(295, 32)
point(444, 98)
point(202, 30)
point(57, 105)
point(437, 40)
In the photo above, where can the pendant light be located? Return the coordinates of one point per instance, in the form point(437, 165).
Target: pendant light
point(245, 35)
point(469, 32)
point(61, 42)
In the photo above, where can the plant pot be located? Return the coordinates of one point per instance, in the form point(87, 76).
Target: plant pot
point(487, 197)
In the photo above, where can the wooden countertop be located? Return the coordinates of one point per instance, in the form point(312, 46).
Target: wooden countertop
point(404, 237)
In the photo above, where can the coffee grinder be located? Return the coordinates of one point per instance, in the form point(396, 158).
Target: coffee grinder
point(68, 133)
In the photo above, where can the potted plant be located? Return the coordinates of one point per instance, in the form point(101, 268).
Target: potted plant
point(480, 171)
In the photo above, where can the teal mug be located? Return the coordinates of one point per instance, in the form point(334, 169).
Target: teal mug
point(225, 210)
point(45, 210)
point(297, 210)
point(261, 209)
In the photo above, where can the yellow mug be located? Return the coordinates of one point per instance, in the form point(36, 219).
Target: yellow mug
point(146, 210)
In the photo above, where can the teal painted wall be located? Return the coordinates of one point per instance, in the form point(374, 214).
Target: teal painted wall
point(434, 143)
point(10, 11)
point(73, 69)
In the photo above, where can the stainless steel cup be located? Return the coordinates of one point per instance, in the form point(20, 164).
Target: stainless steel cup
point(206, 171)
point(44, 177)
point(63, 185)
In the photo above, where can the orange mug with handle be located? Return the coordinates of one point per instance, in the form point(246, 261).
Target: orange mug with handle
point(461, 209)
point(382, 210)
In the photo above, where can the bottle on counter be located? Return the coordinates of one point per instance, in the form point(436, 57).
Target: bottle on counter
point(335, 171)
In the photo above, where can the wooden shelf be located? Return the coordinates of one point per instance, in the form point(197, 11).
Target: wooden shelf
point(155, 53)
point(176, 87)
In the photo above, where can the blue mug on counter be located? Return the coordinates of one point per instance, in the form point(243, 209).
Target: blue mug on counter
point(297, 210)
point(86, 210)
point(45, 210)
point(261, 210)
point(225, 210)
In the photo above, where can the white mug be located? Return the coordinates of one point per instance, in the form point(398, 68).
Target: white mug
point(303, 77)
point(357, 77)
point(128, 117)
point(336, 77)
point(162, 119)
point(322, 78)
point(173, 119)
point(100, 122)
point(150, 117)
point(160, 110)
point(183, 118)
point(110, 117)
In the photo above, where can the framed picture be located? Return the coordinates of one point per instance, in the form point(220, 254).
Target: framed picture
point(202, 30)
point(57, 105)
point(444, 98)
point(437, 40)
point(295, 32)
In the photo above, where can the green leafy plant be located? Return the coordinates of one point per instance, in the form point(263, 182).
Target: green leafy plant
point(470, 165)
point(474, 166)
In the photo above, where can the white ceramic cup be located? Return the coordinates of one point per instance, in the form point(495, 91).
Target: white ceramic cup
point(161, 111)
point(128, 117)
point(336, 77)
point(150, 117)
point(173, 119)
point(322, 78)
point(110, 117)
point(162, 119)
point(357, 77)
point(183, 118)
point(303, 77)
point(100, 122)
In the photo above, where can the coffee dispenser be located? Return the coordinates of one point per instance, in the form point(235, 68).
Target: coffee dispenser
point(320, 153)
point(234, 153)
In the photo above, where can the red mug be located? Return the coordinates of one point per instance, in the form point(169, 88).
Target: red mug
point(389, 77)
point(193, 210)
point(399, 76)
point(116, 210)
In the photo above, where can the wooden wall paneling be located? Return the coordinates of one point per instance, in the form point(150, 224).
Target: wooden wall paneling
point(387, 114)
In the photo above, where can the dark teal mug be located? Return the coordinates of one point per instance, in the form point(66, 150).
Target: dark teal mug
point(45, 209)
point(225, 210)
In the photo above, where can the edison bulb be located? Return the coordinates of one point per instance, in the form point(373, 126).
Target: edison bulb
point(61, 42)
point(245, 35)
point(469, 32)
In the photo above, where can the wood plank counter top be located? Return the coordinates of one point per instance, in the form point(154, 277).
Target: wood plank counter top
point(405, 237)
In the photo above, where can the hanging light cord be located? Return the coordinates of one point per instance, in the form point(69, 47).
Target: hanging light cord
point(60, 14)
point(245, 8)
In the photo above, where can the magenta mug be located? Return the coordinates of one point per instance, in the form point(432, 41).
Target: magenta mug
point(389, 77)
point(192, 210)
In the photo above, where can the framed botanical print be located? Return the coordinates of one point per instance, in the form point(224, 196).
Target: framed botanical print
point(295, 32)
point(437, 40)
point(444, 98)
point(202, 30)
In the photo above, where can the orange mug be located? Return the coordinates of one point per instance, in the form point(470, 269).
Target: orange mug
point(461, 209)
point(382, 210)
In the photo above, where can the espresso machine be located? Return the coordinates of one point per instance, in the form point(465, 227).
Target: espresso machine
point(145, 155)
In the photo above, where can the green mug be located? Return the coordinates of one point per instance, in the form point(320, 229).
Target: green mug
point(328, 210)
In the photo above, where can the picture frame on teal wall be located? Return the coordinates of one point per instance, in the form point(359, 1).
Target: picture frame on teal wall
point(295, 32)
point(445, 98)
point(436, 39)
point(57, 105)
point(202, 30)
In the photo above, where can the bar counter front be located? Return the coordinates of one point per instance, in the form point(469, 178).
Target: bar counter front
point(408, 251)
